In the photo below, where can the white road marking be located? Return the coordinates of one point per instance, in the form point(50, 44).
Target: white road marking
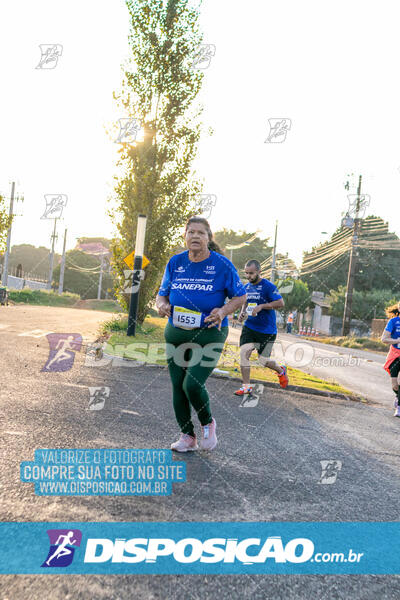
point(131, 412)
point(35, 333)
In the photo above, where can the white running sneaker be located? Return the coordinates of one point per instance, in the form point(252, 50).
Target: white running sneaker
point(209, 438)
point(397, 412)
point(186, 443)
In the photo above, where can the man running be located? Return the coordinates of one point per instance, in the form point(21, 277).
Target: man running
point(391, 335)
point(260, 330)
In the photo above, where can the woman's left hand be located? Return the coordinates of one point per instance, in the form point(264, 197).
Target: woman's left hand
point(215, 317)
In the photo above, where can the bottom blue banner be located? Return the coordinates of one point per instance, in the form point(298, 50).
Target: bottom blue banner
point(200, 548)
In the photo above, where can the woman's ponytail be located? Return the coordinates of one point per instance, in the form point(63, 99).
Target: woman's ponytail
point(212, 245)
point(393, 311)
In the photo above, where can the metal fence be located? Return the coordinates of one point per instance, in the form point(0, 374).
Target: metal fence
point(19, 283)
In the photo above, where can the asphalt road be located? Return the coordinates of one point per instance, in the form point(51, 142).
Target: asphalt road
point(266, 467)
point(360, 371)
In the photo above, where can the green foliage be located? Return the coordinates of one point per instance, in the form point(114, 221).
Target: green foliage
point(115, 324)
point(80, 282)
point(375, 268)
point(159, 88)
point(150, 331)
point(257, 249)
point(361, 343)
point(33, 260)
point(296, 299)
point(110, 306)
point(42, 297)
point(5, 222)
point(365, 305)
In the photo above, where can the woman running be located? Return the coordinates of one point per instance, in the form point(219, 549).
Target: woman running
point(192, 295)
point(390, 335)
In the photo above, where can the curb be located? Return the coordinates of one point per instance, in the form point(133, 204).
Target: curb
point(296, 388)
point(291, 388)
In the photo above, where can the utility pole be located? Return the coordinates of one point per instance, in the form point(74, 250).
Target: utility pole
point(53, 237)
point(100, 278)
point(62, 268)
point(137, 274)
point(352, 266)
point(274, 254)
point(7, 254)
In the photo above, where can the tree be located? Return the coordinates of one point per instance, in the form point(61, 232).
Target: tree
point(81, 275)
point(5, 222)
point(34, 261)
point(159, 88)
point(257, 249)
point(295, 294)
point(366, 305)
point(375, 267)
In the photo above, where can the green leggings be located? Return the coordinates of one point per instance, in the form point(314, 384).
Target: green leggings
point(192, 354)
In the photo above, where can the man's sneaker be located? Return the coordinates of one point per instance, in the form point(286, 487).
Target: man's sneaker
point(186, 443)
point(397, 412)
point(283, 377)
point(245, 389)
point(209, 438)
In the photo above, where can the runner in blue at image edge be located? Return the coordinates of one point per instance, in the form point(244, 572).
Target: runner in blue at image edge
point(260, 330)
point(194, 288)
point(391, 335)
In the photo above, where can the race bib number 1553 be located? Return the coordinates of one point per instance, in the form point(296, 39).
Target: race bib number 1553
point(186, 318)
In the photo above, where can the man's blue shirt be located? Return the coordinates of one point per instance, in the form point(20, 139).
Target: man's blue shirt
point(262, 293)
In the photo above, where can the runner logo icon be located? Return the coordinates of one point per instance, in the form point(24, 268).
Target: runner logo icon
point(62, 351)
point(330, 470)
point(63, 543)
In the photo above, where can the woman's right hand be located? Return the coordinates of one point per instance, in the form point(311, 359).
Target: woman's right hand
point(241, 317)
point(164, 309)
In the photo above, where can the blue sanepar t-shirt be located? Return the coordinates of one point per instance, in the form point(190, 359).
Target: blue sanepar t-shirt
point(261, 293)
point(200, 286)
point(393, 326)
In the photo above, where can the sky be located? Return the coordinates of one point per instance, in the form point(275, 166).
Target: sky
point(332, 69)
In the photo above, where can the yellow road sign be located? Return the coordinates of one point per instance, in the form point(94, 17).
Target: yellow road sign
point(129, 260)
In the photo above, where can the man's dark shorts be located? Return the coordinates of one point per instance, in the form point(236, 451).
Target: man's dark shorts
point(262, 341)
point(395, 367)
